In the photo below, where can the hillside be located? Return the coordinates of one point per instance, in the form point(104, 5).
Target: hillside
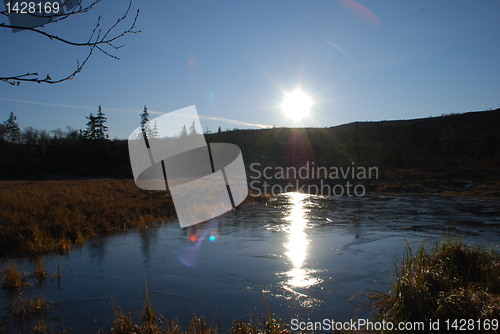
point(464, 146)
point(469, 140)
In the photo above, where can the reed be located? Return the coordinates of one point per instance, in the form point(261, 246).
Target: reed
point(12, 278)
point(25, 307)
point(40, 273)
point(122, 322)
point(40, 327)
point(15, 279)
point(266, 324)
point(452, 281)
point(151, 322)
point(31, 313)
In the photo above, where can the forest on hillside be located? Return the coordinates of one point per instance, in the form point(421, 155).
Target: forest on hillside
point(468, 142)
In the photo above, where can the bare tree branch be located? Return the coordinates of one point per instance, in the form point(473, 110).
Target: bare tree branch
point(97, 40)
point(33, 77)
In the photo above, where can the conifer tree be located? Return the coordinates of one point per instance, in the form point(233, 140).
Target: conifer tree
point(192, 129)
point(155, 133)
point(90, 132)
point(96, 128)
point(146, 130)
point(12, 129)
point(100, 129)
point(184, 132)
point(3, 131)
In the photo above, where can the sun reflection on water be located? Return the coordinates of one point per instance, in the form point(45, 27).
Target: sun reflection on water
point(298, 277)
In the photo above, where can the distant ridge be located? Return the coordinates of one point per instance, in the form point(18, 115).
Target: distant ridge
point(467, 141)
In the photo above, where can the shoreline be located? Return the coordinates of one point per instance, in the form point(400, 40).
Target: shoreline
point(42, 216)
point(458, 182)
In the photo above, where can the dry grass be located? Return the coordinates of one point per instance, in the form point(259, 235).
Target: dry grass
point(150, 323)
point(37, 217)
point(266, 324)
point(31, 314)
point(26, 307)
point(12, 278)
point(40, 273)
point(453, 281)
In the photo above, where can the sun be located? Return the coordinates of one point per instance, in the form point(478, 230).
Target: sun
point(296, 105)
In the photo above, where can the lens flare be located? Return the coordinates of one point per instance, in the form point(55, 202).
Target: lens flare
point(209, 230)
point(361, 11)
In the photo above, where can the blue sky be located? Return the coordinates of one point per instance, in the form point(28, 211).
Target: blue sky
point(236, 59)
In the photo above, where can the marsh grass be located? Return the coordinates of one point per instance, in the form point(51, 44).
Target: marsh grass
point(27, 307)
point(37, 217)
point(30, 311)
point(15, 279)
point(31, 314)
point(452, 281)
point(12, 278)
point(123, 323)
point(40, 273)
point(40, 327)
point(151, 322)
point(265, 324)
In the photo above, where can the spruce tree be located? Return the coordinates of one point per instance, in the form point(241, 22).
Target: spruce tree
point(192, 129)
point(3, 131)
point(184, 132)
point(146, 130)
point(12, 128)
point(155, 133)
point(100, 128)
point(90, 133)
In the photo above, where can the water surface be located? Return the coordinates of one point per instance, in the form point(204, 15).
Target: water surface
point(300, 255)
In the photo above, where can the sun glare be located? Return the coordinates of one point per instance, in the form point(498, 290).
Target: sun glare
point(296, 105)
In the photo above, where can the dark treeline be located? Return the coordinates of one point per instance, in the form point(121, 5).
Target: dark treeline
point(469, 141)
point(34, 153)
point(455, 144)
point(55, 157)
